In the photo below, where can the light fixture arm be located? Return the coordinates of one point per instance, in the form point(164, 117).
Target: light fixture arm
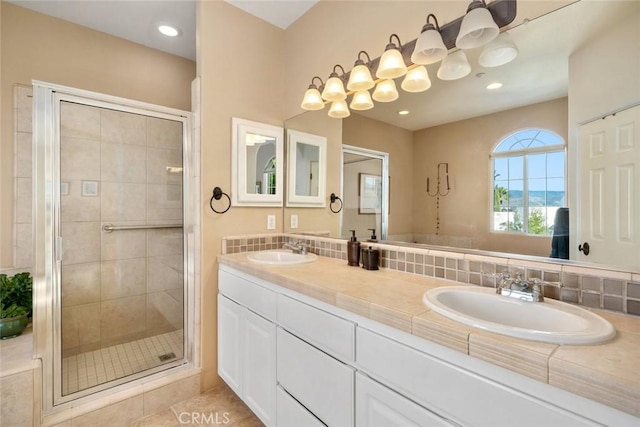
point(429, 25)
point(335, 74)
point(391, 45)
point(313, 86)
point(359, 61)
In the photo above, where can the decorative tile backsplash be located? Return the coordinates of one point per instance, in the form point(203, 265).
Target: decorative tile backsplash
point(587, 286)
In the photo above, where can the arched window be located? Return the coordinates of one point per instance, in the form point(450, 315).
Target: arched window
point(529, 182)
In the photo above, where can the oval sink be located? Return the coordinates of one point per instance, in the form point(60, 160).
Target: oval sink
point(550, 321)
point(281, 257)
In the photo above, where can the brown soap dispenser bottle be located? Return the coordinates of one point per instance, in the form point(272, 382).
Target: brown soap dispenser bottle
point(353, 250)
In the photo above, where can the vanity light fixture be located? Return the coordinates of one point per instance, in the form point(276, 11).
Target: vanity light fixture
point(416, 80)
point(361, 101)
point(391, 62)
point(429, 46)
point(312, 99)
point(478, 27)
point(455, 66)
point(169, 31)
point(360, 77)
point(339, 109)
point(386, 91)
point(499, 51)
point(334, 88)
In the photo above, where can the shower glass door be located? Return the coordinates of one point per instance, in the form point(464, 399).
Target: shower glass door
point(121, 257)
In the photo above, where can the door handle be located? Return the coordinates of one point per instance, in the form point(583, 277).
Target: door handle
point(584, 248)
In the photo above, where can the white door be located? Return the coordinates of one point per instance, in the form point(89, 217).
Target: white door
point(609, 213)
point(229, 343)
point(259, 366)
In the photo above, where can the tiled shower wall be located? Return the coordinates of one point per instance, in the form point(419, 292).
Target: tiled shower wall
point(122, 169)
point(588, 286)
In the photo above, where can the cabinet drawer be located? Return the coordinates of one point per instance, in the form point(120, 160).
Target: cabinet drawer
point(322, 384)
point(292, 414)
point(452, 392)
point(255, 297)
point(326, 331)
point(378, 406)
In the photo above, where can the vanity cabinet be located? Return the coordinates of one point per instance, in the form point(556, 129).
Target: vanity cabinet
point(297, 361)
point(247, 346)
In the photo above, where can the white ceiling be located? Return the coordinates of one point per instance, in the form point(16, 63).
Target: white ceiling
point(544, 44)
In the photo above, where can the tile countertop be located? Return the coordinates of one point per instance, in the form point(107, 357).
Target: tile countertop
point(608, 373)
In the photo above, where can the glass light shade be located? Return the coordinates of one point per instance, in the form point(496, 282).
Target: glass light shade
point(477, 29)
point(334, 90)
point(391, 65)
point(339, 109)
point(416, 80)
point(454, 66)
point(312, 100)
point(361, 101)
point(385, 91)
point(360, 79)
point(499, 51)
point(429, 47)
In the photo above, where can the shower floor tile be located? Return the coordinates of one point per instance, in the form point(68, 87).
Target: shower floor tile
point(89, 369)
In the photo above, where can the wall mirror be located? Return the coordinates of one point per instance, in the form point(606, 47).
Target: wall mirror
point(257, 158)
point(307, 169)
point(560, 52)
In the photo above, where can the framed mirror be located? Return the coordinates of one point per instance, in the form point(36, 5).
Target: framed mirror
point(307, 169)
point(256, 171)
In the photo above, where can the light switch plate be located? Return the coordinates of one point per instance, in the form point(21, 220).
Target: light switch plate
point(271, 222)
point(294, 221)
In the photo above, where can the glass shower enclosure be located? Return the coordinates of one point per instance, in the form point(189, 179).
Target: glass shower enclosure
point(116, 224)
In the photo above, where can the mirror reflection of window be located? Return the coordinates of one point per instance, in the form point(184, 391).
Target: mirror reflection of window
point(307, 169)
point(261, 170)
point(528, 182)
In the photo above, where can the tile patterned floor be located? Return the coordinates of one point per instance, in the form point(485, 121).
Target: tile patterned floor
point(96, 367)
point(217, 407)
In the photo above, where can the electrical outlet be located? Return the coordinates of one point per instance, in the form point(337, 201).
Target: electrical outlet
point(294, 221)
point(271, 222)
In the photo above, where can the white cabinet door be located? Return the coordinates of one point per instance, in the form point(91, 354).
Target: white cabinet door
point(292, 414)
point(259, 366)
point(229, 343)
point(321, 383)
point(378, 406)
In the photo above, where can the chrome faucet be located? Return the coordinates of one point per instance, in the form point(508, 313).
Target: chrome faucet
point(526, 290)
point(296, 247)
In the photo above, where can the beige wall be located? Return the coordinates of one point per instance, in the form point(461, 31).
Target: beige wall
point(241, 63)
point(36, 46)
point(375, 135)
point(466, 146)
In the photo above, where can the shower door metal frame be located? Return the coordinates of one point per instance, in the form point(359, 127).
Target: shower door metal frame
point(47, 241)
point(384, 159)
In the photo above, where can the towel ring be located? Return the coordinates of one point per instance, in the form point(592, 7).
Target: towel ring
point(217, 195)
point(333, 199)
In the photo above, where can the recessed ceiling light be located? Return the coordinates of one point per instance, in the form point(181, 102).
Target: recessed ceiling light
point(494, 85)
point(403, 112)
point(169, 31)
